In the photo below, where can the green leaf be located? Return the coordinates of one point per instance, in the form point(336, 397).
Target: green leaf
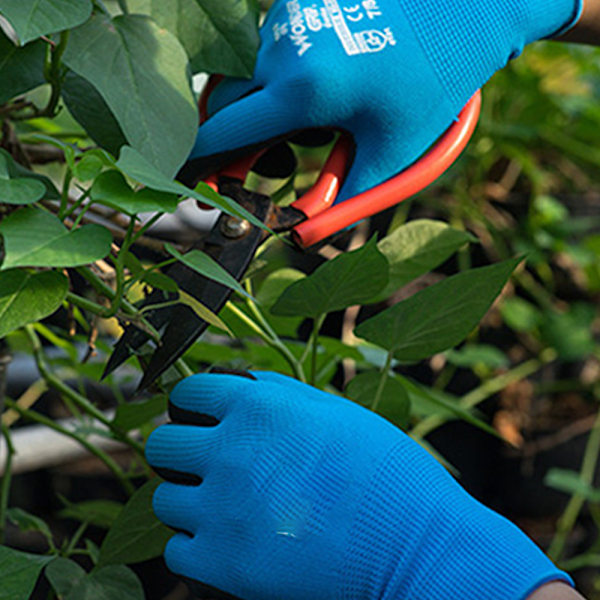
point(111, 189)
point(131, 416)
point(133, 164)
point(418, 247)
point(21, 191)
point(270, 290)
point(140, 71)
point(438, 317)
point(571, 483)
point(205, 265)
point(475, 355)
point(394, 404)
point(137, 534)
point(101, 513)
point(71, 582)
point(349, 279)
point(26, 297)
point(36, 238)
point(27, 522)
point(14, 170)
point(64, 575)
point(520, 315)
point(21, 69)
point(88, 167)
point(202, 311)
point(92, 113)
point(159, 281)
point(229, 38)
point(570, 332)
point(19, 572)
point(426, 401)
point(18, 190)
point(33, 19)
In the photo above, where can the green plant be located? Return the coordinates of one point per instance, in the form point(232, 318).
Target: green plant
point(76, 255)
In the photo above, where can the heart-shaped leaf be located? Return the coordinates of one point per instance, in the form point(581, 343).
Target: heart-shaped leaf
point(418, 247)
point(137, 534)
point(111, 189)
point(229, 39)
point(349, 279)
point(34, 19)
point(36, 238)
point(26, 296)
point(13, 170)
point(440, 316)
point(394, 402)
point(141, 72)
point(21, 69)
point(20, 190)
point(19, 572)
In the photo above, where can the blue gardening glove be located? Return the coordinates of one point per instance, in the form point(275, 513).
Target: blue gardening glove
point(305, 495)
point(393, 73)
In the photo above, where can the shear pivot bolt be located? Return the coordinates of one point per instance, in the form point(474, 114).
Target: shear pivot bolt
point(233, 227)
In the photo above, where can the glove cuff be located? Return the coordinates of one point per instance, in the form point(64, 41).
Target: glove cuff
point(483, 556)
point(551, 18)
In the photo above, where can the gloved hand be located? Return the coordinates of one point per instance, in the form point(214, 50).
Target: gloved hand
point(393, 73)
point(305, 495)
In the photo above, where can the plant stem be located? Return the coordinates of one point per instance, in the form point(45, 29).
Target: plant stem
point(123, 6)
point(384, 376)
point(97, 452)
point(120, 271)
point(78, 400)
point(183, 368)
point(105, 290)
point(6, 479)
point(569, 517)
point(314, 347)
point(486, 389)
point(68, 551)
point(64, 196)
point(85, 304)
point(276, 344)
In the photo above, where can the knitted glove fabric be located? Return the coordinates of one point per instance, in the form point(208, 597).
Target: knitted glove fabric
point(393, 73)
point(305, 495)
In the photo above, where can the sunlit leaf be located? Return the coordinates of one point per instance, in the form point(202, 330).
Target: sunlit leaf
point(26, 297)
point(418, 247)
point(202, 311)
point(111, 189)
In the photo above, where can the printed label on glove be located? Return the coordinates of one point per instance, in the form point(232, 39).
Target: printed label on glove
point(304, 22)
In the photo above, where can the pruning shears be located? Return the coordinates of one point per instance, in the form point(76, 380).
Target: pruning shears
point(233, 242)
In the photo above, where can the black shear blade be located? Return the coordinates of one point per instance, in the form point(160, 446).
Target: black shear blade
point(179, 325)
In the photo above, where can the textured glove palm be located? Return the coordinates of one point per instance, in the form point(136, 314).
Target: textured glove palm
point(393, 73)
point(307, 495)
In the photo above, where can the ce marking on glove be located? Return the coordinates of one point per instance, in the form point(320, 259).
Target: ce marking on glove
point(305, 21)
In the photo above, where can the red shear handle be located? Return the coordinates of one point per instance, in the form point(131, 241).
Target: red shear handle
point(325, 219)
